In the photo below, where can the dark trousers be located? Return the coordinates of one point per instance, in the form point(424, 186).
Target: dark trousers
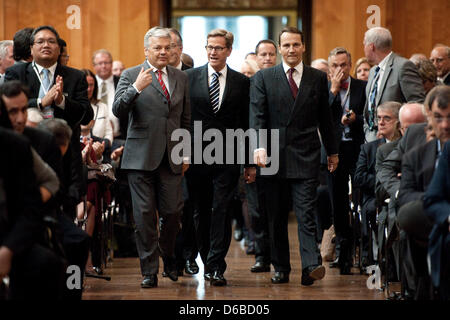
point(259, 222)
point(304, 200)
point(160, 190)
point(211, 190)
point(37, 273)
point(348, 156)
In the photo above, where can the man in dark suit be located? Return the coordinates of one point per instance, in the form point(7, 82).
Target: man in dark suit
point(392, 79)
point(58, 92)
point(437, 207)
point(293, 99)
point(440, 57)
point(185, 247)
point(219, 100)
point(347, 99)
point(155, 98)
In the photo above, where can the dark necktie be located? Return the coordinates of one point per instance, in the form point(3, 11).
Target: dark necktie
point(292, 84)
point(214, 90)
point(163, 86)
point(373, 100)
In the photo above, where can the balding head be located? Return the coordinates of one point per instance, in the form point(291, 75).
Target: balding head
point(411, 113)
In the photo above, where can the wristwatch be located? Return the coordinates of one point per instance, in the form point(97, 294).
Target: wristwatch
point(39, 103)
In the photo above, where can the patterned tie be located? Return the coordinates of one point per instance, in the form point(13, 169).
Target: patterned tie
point(292, 84)
point(214, 90)
point(104, 93)
point(45, 84)
point(163, 86)
point(373, 100)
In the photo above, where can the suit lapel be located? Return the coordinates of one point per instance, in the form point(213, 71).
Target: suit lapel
point(353, 93)
point(388, 70)
point(287, 101)
point(429, 160)
point(155, 82)
point(172, 81)
point(303, 91)
point(227, 89)
point(33, 81)
point(204, 87)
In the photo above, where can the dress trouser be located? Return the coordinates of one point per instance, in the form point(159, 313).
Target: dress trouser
point(160, 190)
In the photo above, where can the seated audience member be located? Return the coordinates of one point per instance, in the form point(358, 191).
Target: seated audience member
point(440, 57)
point(22, 45)
point(416, 58)
point(428, 73)
point(437, 208)
point(249, 68)
point(362, 69)
point(117, 68)
point(101, 126)
point(418, 166)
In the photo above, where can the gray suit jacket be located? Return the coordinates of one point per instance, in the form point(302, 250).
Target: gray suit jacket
point(151, 120)
point(401, 83)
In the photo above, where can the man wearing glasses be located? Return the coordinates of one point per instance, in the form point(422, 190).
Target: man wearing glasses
point(219, 101)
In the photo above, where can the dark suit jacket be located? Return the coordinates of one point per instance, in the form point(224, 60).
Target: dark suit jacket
point(77, 109)
point(184, 67)
point(437, 206)
point(391, 166)
point(273, 107)
point(365, 173)
point(401, 82)
point(447, 80)
point(356, 103)
point(382, 153)
point(20, 224)
point(233, 111)
point(151, 119)
point(417, 170)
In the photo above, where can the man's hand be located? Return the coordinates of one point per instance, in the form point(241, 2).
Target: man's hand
point(250, 174)
point(348, 120)
point(143, 79)
point(98, 149)
point(184, 168)
point(5, 261)
point(59, 84)
point(333, 161)
point(117, 153)
point(50, 96)
point(336, 78)
point(260, 157)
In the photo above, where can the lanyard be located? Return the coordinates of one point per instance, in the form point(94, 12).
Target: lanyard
point(347, 95)
point(40, 80)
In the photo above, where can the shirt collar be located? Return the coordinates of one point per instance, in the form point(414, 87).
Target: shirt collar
point(154, 69)
point(108, 80)
point(180, 65)
point(52, 69)
point(383, 62)
point(211, 71)
point(298, 67)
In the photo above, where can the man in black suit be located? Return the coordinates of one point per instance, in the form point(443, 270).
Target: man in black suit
point(58, 92)
point(185, 246)
point(293, 99)
point(347, 99)
point(219, 101)
point(440, 57)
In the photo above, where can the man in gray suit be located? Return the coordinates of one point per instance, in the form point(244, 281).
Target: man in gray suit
point(293, 99)
point(155, 98)
point(392, 79)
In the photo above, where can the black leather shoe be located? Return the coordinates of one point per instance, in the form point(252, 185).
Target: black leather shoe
point(207, 276)
point(260, 267)
point(150, 281)
point(250, 248)
point(345, 268)
point(238, 234)
point(311, 274)
point(170, 269)
point(191, 267)
point(217, 279)
point(280, 277)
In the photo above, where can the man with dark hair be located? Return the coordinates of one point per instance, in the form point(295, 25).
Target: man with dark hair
point(22, 45)
point(266, 54)
point(293, 99)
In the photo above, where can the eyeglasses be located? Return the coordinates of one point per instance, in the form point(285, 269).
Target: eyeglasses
point(385, 119)
point(103, 63)
point(51, 41)
point(159, 48)
point(217, 48)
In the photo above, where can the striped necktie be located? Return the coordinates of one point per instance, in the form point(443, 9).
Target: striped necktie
point(214, 90)
point(163, 86)
point(373, 100)
point(45, 85)
point(104, 93)
point(292, 84)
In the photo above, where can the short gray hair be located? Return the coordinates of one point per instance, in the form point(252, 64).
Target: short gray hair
point(391, 106)
point(157, 32)
point(340, 50)
point(4, 47)
point(380, 37)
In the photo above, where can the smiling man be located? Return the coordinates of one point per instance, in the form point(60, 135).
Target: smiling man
point(293, 99)
point(154, 96)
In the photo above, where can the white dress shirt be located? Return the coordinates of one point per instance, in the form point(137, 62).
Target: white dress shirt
point(111, 92)
point(296, 75)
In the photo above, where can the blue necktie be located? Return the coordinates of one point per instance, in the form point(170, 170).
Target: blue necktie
point(45, 84)
point(373, 99)
point(214, 90)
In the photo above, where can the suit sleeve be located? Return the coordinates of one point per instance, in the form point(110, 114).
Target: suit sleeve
point(381, 192)
point(411, 83)
point(363, 178)
point(258, 103)
point(326, 128)
point(12, 74)
point(436, 199)
point(186, 115)
point(125, 95)
point(78, 109)
point(388, 169)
